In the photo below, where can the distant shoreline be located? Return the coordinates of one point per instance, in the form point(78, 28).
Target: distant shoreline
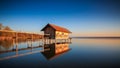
point(97, 37)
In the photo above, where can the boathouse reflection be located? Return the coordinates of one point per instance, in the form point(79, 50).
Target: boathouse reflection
point(18, 47)
point(55, 50)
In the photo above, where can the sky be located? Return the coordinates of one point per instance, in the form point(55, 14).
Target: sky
point(81, 17)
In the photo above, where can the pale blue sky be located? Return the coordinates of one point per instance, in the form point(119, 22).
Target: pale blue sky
point(82, 17)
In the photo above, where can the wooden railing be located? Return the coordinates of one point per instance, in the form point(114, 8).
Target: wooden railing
point(14, 34)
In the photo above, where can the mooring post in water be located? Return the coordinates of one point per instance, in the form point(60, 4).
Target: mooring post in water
point(13, 44)
point(27, 43)
point(31, 42)
point(16, 35)
point(39, 41)
point(32, 36)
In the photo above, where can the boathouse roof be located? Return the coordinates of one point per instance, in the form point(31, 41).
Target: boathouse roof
point(57, 28)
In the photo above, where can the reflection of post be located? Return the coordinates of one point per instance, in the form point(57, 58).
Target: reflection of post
point(14, 41)
point(16, 48)
point(27, 43)
point(16, 45)
point(31, 44)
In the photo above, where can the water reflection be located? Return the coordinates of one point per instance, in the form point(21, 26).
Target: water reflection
point(55, 49)
point(10, 44)
point(85, 53)
point(22, 47)
point(6, 44)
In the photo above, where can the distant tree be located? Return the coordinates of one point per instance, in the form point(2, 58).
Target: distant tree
point(7, 28)
point(1, 26)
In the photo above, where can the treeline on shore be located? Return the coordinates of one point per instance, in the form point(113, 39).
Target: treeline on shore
point(7, 33)
point(10, 35)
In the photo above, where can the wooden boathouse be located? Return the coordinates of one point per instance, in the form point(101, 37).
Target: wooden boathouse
point(57, 33)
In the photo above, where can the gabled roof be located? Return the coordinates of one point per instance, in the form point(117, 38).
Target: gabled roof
point(57, 28)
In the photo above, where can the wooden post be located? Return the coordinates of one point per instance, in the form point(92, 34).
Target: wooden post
point(49, 41)
point(44, 41)
point(55, 40)
point(15, 35)
point(32, 36)
point(31, 43)
point(39, 42)
point(27, 43)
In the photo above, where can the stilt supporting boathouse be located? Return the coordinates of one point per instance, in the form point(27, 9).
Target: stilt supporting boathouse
point(50, 41)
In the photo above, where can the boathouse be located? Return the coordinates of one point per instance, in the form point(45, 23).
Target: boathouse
point(52, 31)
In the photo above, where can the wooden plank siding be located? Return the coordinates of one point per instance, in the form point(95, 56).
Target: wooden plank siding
point(49, 33)
point(61, 35)
point(52, 31)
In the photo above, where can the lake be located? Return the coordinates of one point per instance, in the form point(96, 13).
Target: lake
point(80, 53)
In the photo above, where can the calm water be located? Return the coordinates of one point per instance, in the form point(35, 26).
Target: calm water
point(81, 53)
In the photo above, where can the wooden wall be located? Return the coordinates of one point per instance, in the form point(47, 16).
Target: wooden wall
point(52, 34)
point(49, 33)
point(61, 35)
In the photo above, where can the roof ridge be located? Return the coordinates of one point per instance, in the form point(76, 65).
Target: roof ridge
point(58, 28)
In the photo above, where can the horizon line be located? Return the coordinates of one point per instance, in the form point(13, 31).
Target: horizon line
point(97, 37)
